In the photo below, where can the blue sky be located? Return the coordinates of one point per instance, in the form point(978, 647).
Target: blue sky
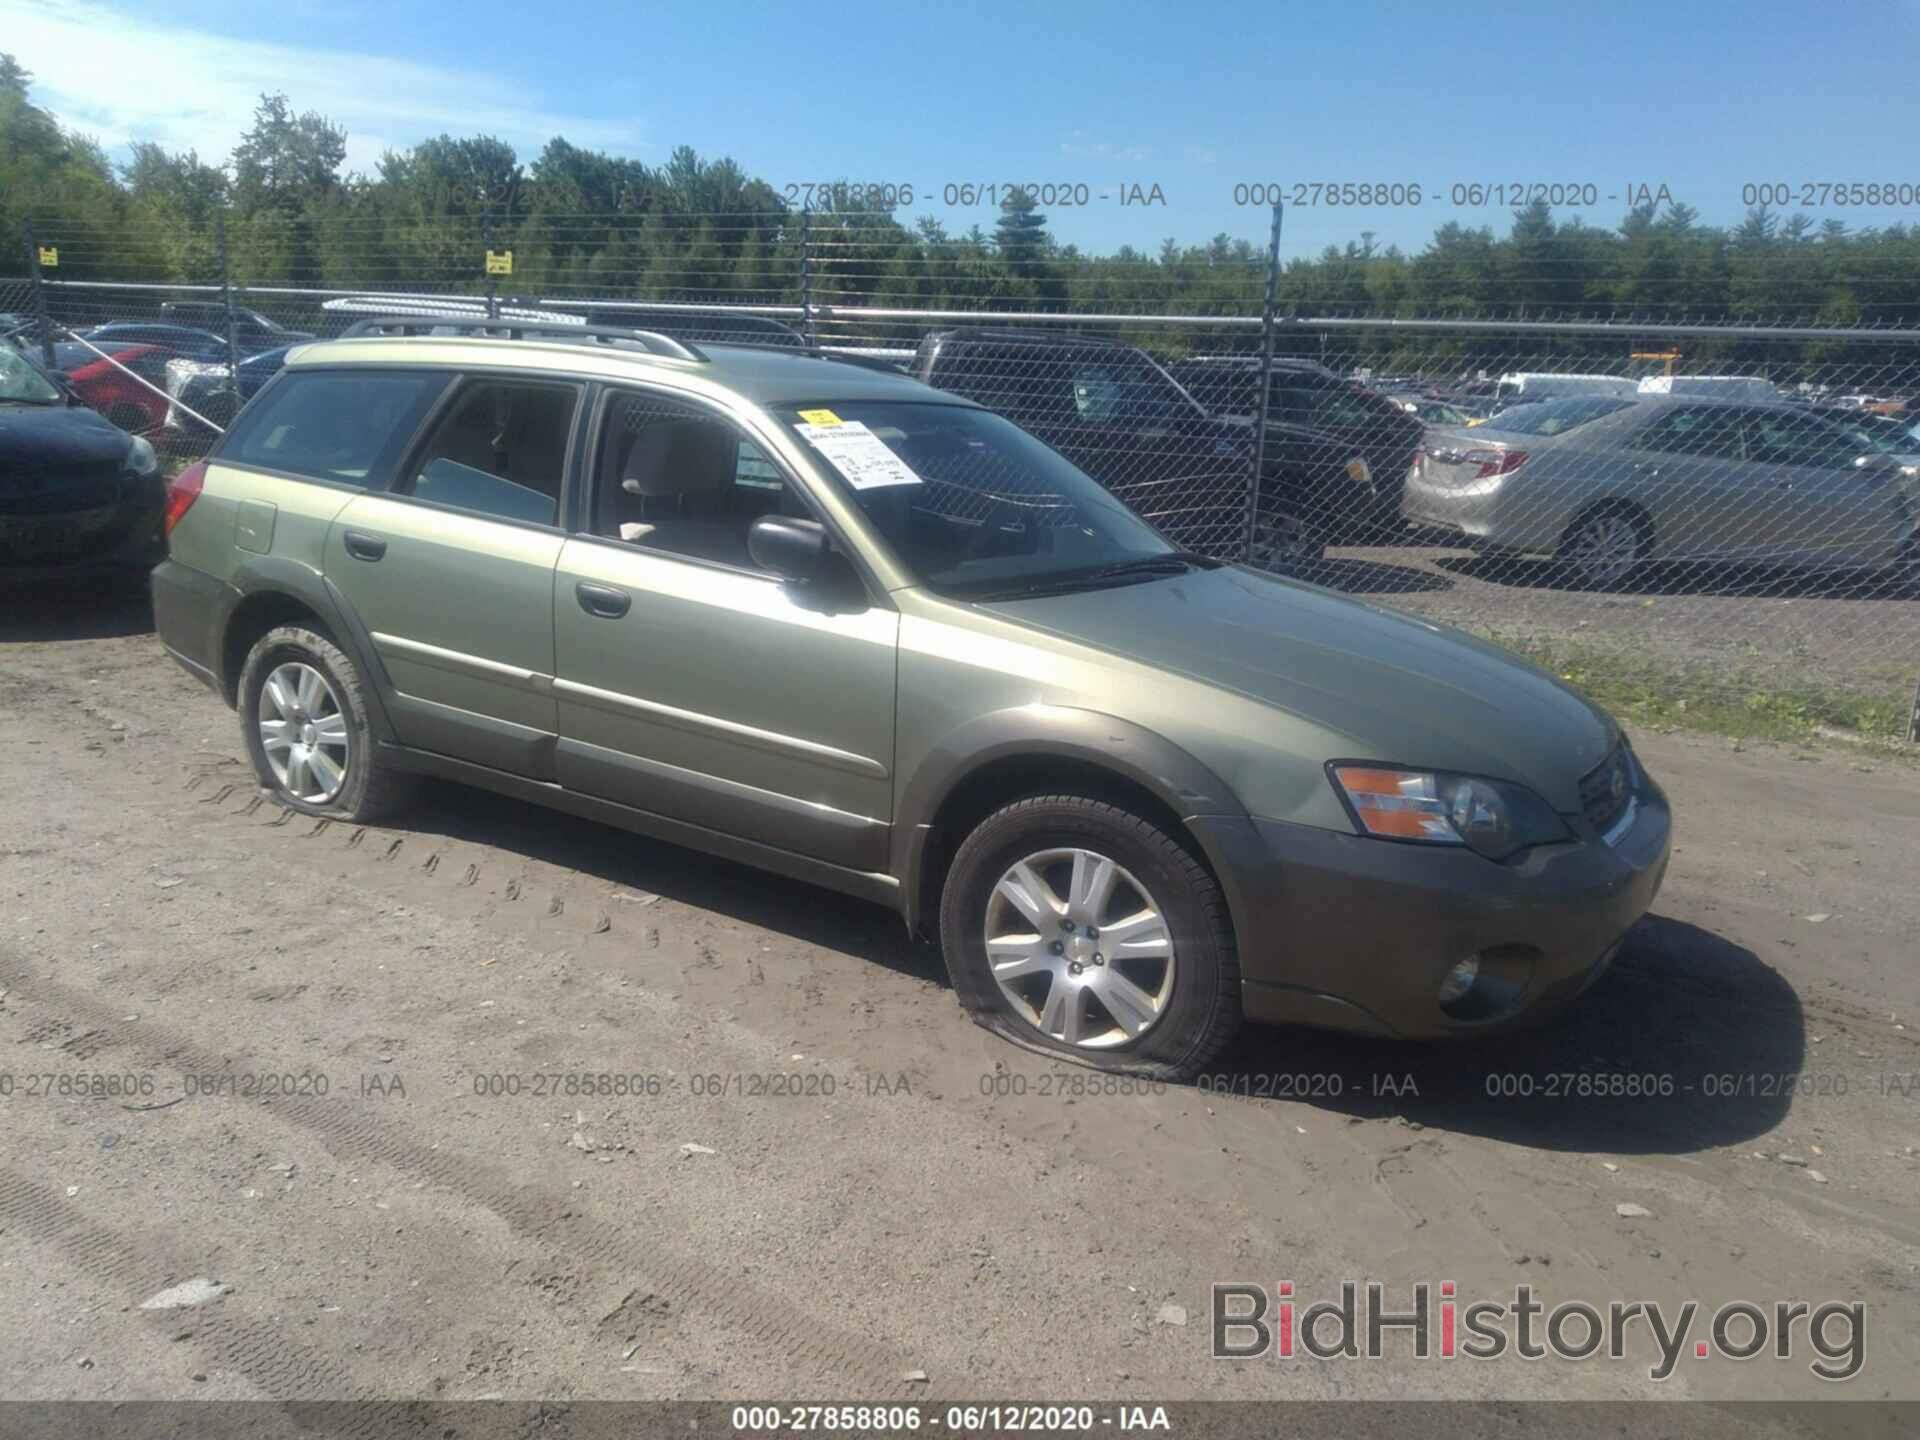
point(1194, 98)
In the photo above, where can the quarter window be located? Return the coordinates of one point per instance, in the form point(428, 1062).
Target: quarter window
point(1711, 433)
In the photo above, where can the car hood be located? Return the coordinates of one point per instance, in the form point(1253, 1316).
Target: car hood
point(1374, 684)
point(56, 437)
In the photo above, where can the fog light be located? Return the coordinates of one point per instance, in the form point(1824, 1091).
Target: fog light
point(1488, 985)
point(1459, 981)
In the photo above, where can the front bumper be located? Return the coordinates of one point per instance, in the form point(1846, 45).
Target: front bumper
point(118, 538)
point(1355, 933)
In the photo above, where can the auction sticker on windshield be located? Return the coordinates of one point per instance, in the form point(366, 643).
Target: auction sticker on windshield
point(861, 456)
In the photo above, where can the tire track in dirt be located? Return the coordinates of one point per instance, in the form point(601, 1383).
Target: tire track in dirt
point(544, 1215)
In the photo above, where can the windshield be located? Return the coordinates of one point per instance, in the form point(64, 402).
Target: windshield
point(968, 502)
point(22, 383)
point(1556, 417)
point(1878, 433)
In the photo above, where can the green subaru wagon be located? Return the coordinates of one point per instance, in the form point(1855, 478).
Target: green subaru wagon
point(824, 620)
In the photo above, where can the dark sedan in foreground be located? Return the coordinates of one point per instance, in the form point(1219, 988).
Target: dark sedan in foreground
point(76, 493)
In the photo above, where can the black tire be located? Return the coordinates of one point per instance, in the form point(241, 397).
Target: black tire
point(373, 787)
point(1202, 1012)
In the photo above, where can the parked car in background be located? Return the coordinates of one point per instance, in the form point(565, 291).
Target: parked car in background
point(1112, 411)
point(215, 392)
point(870, 635)
point(77, 494)
point(722, 327)
point(1431, 411)
point(349, 310)
point(1320, 423)
point(1607, 483)
point(1713, 387)
point(1527, 385)
point(103, 382)
point(253, 332)
point(180, 342)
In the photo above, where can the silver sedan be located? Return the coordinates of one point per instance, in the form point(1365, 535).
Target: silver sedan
point(1605, 483)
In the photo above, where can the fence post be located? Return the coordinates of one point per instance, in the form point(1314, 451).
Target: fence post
point(486, 249)
point(39, 296)
point(1266, 384)
point(806, 276)
point(226, 301)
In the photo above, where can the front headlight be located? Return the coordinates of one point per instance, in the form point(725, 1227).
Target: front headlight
point(140, 457)
point(1435, 807)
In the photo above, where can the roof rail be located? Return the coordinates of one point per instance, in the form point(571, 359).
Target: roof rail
point(649, 340)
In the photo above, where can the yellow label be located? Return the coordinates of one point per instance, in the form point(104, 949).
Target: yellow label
point(49, 257)
point(499, 262)
point(820, 417)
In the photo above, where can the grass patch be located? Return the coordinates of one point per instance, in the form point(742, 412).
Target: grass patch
point(1726, 702)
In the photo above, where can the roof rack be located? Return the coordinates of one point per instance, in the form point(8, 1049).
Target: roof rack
point(651, 341)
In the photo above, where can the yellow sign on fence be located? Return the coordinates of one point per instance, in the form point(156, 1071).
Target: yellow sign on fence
point(499, 262)
point(49, 257)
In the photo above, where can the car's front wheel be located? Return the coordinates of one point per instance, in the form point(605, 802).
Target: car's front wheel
point(1079, 928)
point(303, 711)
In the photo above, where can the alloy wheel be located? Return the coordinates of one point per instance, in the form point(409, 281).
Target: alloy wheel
point(304, 733)
point(1605, 549)
point(1079, 949)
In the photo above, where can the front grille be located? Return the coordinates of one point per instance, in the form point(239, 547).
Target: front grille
point(1607, 789)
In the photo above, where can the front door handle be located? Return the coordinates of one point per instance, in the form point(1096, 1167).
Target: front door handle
point(362, 546)
point(602, 600)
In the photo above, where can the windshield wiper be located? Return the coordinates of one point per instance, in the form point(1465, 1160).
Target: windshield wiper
point(1144, 567)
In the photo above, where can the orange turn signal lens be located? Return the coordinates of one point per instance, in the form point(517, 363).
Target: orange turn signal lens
point(1399, 804)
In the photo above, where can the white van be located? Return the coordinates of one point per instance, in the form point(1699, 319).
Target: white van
point(1524, 386)
point(1712, 387)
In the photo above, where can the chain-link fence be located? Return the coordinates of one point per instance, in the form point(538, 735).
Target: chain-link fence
point(1696, 516)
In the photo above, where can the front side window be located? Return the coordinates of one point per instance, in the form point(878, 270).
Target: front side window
point(1783, 438)
point(345, 426)
point(968, 502)
point(673, 477)
point(1125, 391)
point(500, 450)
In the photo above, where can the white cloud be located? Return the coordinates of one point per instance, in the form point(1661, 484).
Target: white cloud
point(1081, 147)
point(123, 78)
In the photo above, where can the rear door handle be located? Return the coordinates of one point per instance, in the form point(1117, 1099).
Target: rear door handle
point(362, 546)
point(602, 600)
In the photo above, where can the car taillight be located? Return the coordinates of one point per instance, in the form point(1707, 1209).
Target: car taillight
point(1494, 462)
point(182, 491)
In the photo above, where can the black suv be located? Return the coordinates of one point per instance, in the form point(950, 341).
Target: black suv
point(1117, 414)
point(1317, 420)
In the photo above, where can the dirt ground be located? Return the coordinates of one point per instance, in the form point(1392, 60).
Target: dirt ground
point(915, 1196)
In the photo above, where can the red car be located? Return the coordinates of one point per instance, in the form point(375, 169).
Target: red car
point(111, 391)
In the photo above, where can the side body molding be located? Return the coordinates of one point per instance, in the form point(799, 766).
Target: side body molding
point(1026, 732)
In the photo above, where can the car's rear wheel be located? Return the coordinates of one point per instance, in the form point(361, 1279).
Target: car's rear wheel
point(1076, 927)
point(303, 711)
point(1602, 549)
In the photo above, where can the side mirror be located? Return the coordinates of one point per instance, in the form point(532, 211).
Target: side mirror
point(792, 549)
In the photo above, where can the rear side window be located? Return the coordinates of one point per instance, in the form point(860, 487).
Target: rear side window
point(1556, 417)
point(500, 450)
point(1711, 433)
point(343, 426)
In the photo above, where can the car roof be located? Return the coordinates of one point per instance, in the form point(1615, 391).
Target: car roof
point(769, 376)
